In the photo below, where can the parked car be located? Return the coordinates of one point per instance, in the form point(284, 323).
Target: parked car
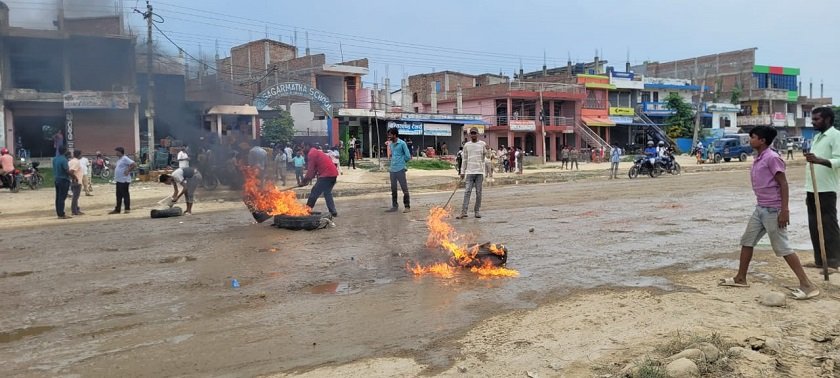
point(730, 147)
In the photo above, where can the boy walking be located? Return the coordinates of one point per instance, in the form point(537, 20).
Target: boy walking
point(771, 215)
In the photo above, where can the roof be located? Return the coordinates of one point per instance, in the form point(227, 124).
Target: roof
point(233, 110)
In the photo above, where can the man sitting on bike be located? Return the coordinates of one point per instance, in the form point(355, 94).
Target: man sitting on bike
point(7, 166)
point(651, 153)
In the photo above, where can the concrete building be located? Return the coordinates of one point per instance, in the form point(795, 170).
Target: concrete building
point(77, 77)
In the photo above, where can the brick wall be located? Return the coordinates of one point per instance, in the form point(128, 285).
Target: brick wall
point(109, 25)
point(728, 68)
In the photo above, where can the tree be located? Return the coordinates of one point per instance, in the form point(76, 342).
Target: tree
point(680, 124)
point(279, 130)
point(736, 95)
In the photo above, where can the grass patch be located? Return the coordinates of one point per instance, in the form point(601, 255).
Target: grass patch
point(429, 164)
point(681, 341)
point(649, 368)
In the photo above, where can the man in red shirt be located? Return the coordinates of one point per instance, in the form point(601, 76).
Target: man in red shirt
point(320, 164)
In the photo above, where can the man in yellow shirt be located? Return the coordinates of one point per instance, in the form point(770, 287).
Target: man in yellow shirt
point(825, 155)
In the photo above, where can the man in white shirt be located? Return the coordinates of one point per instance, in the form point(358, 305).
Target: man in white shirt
point(188, 178)
point(76, 179)
point(280, 162)
point(472, 170)
point(183, 158)
point(290, 165)
point(122, 175)
point(86, 186)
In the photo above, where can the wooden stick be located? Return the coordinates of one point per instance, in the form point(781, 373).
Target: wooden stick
point(457, 184)
point(819, 223)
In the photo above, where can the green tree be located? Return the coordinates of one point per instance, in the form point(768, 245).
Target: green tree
point(736, 95)
point(279, 130)
point(681, 123)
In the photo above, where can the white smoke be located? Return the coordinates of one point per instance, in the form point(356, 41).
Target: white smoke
point(42, 14)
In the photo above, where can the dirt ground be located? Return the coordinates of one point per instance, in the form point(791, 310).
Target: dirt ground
point(612, 268)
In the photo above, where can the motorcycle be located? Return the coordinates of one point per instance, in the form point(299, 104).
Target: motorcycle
point(101, 167)
point(669, 163)
point(11, 180)
point(32, 176)
point(646, 166)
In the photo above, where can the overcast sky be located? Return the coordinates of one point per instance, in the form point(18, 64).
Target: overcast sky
point(407, 37)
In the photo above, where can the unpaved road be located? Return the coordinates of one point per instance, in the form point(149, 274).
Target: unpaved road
point(143, 297)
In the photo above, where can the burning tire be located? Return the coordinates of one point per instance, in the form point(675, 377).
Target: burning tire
point(313, 221)
point(494, 254)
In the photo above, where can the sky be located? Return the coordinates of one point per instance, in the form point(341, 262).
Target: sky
point(407, 37)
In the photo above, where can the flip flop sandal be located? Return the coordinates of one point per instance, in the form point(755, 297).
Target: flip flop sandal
point(799, 295)
point(731, 283)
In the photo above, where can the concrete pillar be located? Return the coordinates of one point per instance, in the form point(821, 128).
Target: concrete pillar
point(136, 118)
point(553, 145)
point(510, 136)
point(509, 111)
point(406, 96)
point(219, 126)
point(434, 98)
point(3, 140)
point(254, 127)
point(539, 133)
point(9, 124)
point(551, 115)
point(459, 101)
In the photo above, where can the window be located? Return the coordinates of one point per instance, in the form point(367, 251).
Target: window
point(655, 96)
point(414, 97)
point(437, 86)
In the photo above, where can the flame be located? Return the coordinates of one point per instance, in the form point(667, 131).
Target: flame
point(442, 235)
point(269, 198)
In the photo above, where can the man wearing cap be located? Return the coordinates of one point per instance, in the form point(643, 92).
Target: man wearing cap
point(122, 175)
point(472, 170)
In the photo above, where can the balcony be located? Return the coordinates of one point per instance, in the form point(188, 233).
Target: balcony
point(595, 104)
point(776, 120)
point(557, 123)
point(656, 108)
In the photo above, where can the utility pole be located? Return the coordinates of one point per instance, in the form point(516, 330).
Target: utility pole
point(150, 81)
point(698, 115)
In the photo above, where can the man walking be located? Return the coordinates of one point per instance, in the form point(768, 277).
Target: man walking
point(399, 157)
point(825, 156)
point(351, 153)
point(280, 162)
point(472, 171)
point(86, 186)
point(320, 164)
point(771, 215)
point(76, 178)
point(122, 175)
point(615, 158)
point(61, 173)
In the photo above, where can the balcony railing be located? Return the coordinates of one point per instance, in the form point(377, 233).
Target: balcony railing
point(596, 104)
point(651, 107)
point(551, 121)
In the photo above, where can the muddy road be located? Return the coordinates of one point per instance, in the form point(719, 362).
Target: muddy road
point(153, 297)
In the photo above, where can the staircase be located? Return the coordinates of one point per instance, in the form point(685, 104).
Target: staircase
point(653, 130)
point(592, 138)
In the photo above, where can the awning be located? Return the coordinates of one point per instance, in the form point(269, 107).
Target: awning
point(247, 110)
point(448, 121)
point(598, 121)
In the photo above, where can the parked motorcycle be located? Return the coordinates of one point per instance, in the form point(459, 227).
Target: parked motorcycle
point(101, 166)
point(646, 166)
point(32, 176)
point(11, 180)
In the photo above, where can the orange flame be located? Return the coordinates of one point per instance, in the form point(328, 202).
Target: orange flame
point(442, 235)
point(268, 198)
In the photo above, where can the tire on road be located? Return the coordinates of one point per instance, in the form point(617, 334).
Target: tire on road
point(313, 221)
point(167, 213)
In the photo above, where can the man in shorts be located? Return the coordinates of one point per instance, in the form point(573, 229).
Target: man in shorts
point(188, 178)
point(771, 215)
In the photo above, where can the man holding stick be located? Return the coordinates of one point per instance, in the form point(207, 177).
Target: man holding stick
point(824, 156)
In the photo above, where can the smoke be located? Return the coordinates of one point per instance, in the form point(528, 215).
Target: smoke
point(42, 14)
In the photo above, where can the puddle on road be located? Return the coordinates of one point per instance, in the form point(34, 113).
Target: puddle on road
point(18, 334)
point(339, 288)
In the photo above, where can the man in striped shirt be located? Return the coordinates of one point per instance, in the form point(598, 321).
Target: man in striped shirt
point(472, 170)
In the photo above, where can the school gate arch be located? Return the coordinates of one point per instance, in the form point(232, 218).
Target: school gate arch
point(293, 89)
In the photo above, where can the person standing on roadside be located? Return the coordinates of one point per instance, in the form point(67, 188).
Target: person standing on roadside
point(122, 175)
point(790, 149)
point(299, 162)
point(319, 164)
point(183, 158)
point(472, 171)
point(520, 159)
point(399, 158)
point(351, 153)
point(615, 158)
point(86, 186)
point(564, 157)
point(76, 178)
point(825, 156)
point(573, 159)
point(771, 215)
point(61, 173)
point(280, 162)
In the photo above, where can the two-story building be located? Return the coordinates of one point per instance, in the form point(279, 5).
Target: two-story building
point(77, 78)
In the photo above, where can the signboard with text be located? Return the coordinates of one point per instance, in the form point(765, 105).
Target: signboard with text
point(407, 128)
point(523, 125)
point(95, 100)
point(437, 129)
point(616, 111)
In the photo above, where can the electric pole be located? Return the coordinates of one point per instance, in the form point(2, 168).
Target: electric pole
point(698, 115)
point(150, 81)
